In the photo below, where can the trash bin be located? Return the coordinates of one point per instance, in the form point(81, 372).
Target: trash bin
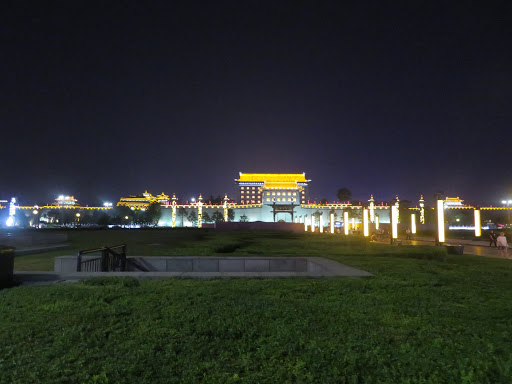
point(6, 266)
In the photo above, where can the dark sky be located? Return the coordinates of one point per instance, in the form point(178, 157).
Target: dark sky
point(105, 99)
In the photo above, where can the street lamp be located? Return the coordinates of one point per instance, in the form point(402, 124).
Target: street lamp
point(36, 219)
point(78, 218)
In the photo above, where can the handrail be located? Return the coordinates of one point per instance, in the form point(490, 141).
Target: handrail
point(115, 261)
point(101, 249)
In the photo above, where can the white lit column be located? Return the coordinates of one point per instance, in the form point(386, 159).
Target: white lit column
point(440, 221)
point(200, 211)
point(478, 224)
point(305, 223)
point(376, 222)
point(173, 220)
point(332, 222)
point(413, 223)
point(345, 222)
point(321, 223)
point(366, 231)
point(225, 206)
point(422, 210)
point(312, 222)
point(394, 222)
point(372, 209)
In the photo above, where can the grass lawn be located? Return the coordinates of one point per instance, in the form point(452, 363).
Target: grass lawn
point(423, 318)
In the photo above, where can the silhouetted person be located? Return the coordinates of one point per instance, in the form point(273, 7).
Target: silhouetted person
point(492, 238)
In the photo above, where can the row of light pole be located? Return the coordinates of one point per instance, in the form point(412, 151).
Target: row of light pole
point(440, 233)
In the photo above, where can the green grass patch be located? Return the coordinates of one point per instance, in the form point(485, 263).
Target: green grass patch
point(425, 317)
point(415, 321)
point(193, 242)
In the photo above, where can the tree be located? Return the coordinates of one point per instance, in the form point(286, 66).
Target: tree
point(121, 213)
point(182, 212)
point(231, 214)
point(344, 194)
point(102, 219)
point(217, 216)
point(244, 219)
point(152, 213)
point(206, 218)
point(323, 200)
point(192, 217)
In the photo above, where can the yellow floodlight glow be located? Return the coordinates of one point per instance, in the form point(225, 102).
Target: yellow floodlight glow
point(321, 223)
point(478, 224)
point(312, 223)
point(394, 222)
point(440, 220)
point(413, 223)
point(376, 222)
point(332, 222)
point(366, 231)
point(305, 223)
point(345, 222)
point(353, 223)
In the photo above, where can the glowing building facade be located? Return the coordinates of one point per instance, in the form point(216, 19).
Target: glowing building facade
point(272, 188)
point(143, 201)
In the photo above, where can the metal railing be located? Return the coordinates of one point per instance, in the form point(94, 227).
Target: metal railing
point(109, 261)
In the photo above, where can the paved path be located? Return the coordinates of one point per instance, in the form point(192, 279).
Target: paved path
point(471, 247)
point(24, 251)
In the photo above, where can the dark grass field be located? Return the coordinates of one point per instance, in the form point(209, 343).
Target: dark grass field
point(424, 317)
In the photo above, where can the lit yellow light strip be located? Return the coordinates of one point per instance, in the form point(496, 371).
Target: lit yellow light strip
point(478, 224)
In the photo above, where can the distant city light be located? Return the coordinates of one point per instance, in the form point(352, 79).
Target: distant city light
point(107, 204)
point(10, 221)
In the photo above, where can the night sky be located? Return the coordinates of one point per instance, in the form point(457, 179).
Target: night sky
point(104, 99)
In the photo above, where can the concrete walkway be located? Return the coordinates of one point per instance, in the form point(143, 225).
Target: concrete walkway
point(471, 247)
point(319, 268)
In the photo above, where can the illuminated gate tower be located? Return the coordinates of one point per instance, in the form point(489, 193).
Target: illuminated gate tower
point(263, 188)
